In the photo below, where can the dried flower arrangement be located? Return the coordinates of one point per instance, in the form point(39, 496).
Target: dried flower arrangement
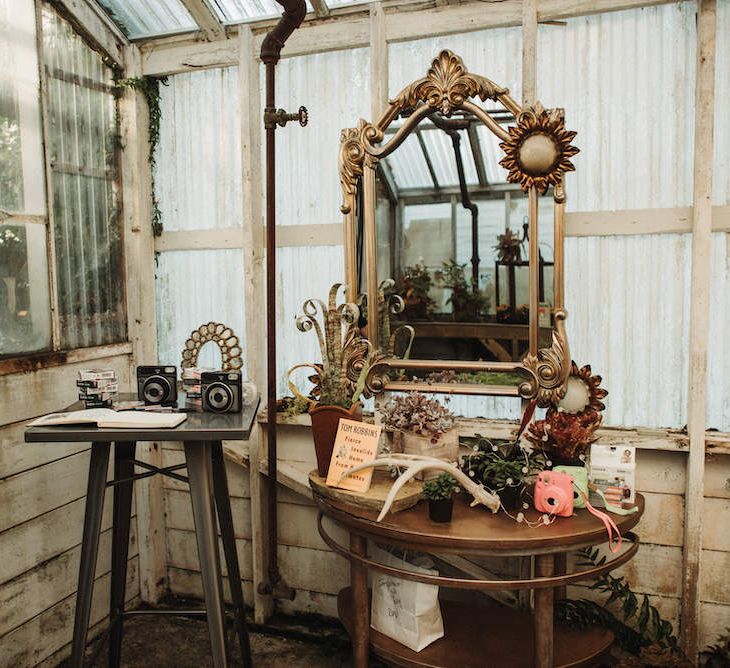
point(509, 248)
point(418, 414)
point(504, 467)
point(567, 432)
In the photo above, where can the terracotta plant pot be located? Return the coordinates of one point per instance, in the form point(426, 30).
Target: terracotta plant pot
point(325, 420)
point(441, 510)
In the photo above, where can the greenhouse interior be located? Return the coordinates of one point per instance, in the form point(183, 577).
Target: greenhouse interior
point(473, 256)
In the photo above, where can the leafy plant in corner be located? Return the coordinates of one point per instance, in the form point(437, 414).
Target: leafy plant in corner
point(149, 87)
point(467, 300)
point(440, 488)
point(640, 625)
point(718, 655)
point(414, 286)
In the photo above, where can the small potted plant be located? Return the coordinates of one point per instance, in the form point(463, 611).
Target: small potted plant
point(468, 302)
point(422, 426)
point(504, 467)
point(339, 379)
point(439, 492)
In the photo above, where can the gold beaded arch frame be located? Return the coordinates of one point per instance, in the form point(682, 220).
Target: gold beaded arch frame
point(537, 155)
point(220, 334)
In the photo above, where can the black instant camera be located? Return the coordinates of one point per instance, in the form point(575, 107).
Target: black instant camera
point(221, 391)
point(157, 385)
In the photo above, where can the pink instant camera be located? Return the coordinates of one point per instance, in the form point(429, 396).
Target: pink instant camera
point(554, 493)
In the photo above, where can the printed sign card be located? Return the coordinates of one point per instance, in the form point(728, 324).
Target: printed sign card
point(355, 443)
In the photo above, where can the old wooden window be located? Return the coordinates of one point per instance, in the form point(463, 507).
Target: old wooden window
point(25, 313)
point(81, 127)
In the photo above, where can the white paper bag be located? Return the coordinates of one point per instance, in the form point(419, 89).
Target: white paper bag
point(405, 610)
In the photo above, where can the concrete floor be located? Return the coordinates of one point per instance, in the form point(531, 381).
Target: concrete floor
point(182, 642)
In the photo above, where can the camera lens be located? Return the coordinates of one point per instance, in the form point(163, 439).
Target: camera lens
point(219, 397)
point(156, 390)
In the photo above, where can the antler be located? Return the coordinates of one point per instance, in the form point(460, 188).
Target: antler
point(414, 465)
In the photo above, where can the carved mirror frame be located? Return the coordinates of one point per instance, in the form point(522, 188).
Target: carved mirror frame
point(537, 154)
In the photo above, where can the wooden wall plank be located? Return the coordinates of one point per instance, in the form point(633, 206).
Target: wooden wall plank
point(238, 482)
point(182, 552)
point(715, 621)
point(16, 456)
point(43, 586)
point(52, 388)
point(45, 639)
point(46, 536)
point(188, 583)
point(178, 511)
point(715, 584)
point(699, 322)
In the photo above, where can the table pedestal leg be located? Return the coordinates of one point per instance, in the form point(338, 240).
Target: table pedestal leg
point(561, 568)
point(89, 548)
point(225, 518)
point(361, 605)
point(198, 456)
point(123, 470)
point(544, 566)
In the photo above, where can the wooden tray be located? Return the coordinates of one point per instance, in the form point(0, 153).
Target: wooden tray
point(374, 498)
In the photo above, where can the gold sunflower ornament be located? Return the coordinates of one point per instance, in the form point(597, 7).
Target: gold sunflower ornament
point(538, 150)
point(584, 392)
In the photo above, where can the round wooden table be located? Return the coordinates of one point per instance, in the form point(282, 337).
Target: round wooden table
point(475, 638)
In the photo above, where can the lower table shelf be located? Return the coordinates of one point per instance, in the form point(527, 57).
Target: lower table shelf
point(484, 638)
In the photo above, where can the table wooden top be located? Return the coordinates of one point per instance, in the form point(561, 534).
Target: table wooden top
point(477, 530)
point(197, 427)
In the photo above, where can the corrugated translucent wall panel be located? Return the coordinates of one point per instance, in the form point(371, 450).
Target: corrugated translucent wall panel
point(144, 18)
point(628, 304)
point(495, 54)
point(198, 175)
point(195, 287)
point(626, 81)
point(721, 171)
point(335, 88)
point(302, 272)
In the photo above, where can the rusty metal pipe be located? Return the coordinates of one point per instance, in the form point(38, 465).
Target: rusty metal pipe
point(291, 19)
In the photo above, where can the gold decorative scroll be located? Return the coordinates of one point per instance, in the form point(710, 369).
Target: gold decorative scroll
point(551, 366)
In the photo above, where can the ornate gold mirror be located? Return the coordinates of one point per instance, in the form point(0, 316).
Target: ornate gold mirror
point(454, 212)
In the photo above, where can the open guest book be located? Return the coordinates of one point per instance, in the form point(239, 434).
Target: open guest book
point(106, 418)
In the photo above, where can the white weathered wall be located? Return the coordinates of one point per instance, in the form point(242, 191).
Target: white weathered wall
point(42, 496)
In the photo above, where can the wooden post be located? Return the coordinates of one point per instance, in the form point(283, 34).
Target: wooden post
point(698, 325)
point(544, 614)
point(529, 51)
point(141, 317)
point(360, 604)
point(253, 270)
point(378, 61)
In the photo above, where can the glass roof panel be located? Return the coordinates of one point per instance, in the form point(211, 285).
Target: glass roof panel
point(344, 3)
point(242, 11)
point(147, 18)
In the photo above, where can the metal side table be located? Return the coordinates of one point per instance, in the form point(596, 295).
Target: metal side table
point(201, 435)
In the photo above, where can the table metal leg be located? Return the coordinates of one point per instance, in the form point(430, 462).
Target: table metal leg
point(123, 469)
point(198, 456)
point(225, 518)
point(89, 548)
point(360, 603)
point(544, 566)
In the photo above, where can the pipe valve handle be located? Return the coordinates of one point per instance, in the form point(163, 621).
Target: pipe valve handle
point(302, 116)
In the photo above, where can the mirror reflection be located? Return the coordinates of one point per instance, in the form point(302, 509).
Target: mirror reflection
point(453, 235)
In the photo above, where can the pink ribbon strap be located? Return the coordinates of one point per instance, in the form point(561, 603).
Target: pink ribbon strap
point(608, 523)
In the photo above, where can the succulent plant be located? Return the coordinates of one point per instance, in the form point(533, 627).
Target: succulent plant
point(419, 414)
point(440, 488)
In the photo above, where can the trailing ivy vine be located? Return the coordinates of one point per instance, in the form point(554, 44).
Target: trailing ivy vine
point(150, 88)
point(640, 626)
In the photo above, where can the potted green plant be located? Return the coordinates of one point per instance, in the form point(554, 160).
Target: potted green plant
point(504, 467)
point(468, 302)
point(414, 286)
point(421, 426)
point(439, 492)
point(339, 379)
